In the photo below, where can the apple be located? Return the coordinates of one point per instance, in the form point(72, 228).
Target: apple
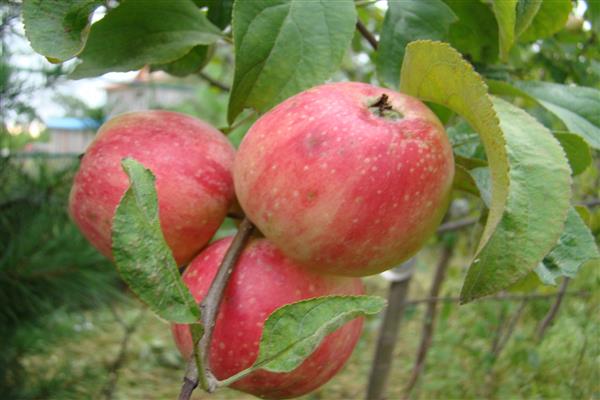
point(192, 162)
point(346, 178)
point(262, 281)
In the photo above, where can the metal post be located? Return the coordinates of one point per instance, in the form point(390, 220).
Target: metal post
point(399, 279)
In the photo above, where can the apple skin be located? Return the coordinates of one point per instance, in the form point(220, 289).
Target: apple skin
point(339, 188)
point(192, 162)
point(262, 281)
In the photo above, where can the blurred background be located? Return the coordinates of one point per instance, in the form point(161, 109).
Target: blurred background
point(70, 330)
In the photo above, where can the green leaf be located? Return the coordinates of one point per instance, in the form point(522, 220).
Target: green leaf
point(58, 29)
point(404, 22)
point(483, 181)
point(575, 248)
point(576, 106)
point(506, 16)
point(140, 32)
point(141, 254)
point(476, 33)
point(577, 151)
point(285, 46)
point(530, 176)
point(593, 14)
point(526, 11)
point(550, 18)
point(219, 12)
point(464, 181)
point(191, 63)
point(293, 332)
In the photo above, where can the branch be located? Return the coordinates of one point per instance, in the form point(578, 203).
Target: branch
point(456, 225)
point(209, 307)
point(367, 35)
point(553, 310)
point(590, 203)
point(115, 366)
point(502, 297)
point(430, 316)
point(512, 324)
point(213, 82)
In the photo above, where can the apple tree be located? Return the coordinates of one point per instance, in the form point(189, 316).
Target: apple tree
point(521, 122)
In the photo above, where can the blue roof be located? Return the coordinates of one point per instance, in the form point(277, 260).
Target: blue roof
point(72, 124)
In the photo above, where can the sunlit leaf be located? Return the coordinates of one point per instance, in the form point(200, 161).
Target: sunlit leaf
point(529, 174)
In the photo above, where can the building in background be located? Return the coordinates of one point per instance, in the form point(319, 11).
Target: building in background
point(66, 136)
point(149, 90)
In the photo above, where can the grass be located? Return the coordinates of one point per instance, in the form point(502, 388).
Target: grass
point(460, 364)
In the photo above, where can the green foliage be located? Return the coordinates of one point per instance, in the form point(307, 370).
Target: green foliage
point(144, 32)
point(527, 168)
point(526, 11)
point(46, 265)
point(294, 331)
point(191, 63)
point(575, 248)
point(577, 107)
point(141, 254)
point(506, 16)
point(550, 18)
point(283, 47)
point(58, 29)
point(475, 34)
point(577, 151)
point(404, 22)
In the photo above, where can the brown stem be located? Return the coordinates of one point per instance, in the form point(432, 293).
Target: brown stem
point(499, 331)
point(456, 225)
point(367, 35)
point(430, 316)
point(512, 324)
point(213, 82)
point(210, 308)
point(502, 297)
point(543, 326)
point(388, 333)
point(115, 366)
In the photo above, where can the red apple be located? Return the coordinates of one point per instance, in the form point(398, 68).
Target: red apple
point(264, 280)
point(346, 178)
point(192, 162)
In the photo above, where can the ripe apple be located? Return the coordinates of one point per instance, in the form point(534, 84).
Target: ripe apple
point(192, 162)
point(346, 178)
point(262, 281)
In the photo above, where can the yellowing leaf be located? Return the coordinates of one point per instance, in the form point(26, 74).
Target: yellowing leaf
point(529, 173)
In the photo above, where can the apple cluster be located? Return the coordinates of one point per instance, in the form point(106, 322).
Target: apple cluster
point(343, 180)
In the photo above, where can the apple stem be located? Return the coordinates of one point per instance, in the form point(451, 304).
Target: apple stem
point(384, 109)
point(209, 307)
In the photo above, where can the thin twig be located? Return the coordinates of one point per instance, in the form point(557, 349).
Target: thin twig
point(499, 331)
point(590, 203)
point(502, 297)
point(367, 35)
point(512, 324)
point(430, 316)
point(210, 308)
point(456, 225)
point(553, 310)
point(115, 366)
point(213, 82)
